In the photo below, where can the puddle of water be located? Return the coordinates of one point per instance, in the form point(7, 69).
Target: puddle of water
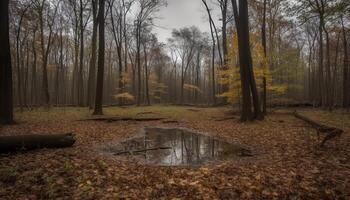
point(173, 147)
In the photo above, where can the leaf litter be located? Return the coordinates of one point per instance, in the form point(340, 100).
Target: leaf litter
point(289, 164)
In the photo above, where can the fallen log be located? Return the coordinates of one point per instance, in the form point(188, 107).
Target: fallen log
point(145, 113)
point(193, 110)
point(331, 132)
point(30, 142)
point(114, 119)
point(170, 122)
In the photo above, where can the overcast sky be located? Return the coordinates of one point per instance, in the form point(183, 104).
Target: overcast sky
point(179, 14)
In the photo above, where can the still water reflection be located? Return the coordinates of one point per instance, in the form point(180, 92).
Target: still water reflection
point(161, 146)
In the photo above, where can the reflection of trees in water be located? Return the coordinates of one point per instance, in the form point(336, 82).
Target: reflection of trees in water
point(184, 147)
point(198, 147)
point(174, 143)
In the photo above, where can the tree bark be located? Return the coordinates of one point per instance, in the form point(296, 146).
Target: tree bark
point(101, 60)
point(6, 103)
point(248, 84)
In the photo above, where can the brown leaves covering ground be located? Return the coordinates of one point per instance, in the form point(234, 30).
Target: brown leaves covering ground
point(288, 164)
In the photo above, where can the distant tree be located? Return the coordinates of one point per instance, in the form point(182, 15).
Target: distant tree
point(186, 41)
point(92, 64)
point(21, 12)
point(146, 10)
point(213, 30)
point(225, 18)
point(346, 70)
point(308, 9)
point(118, 14)
point(6, 103)
point(263, 41)
point(82, 26)
point(42, 7)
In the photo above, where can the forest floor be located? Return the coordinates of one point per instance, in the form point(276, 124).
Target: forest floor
point(288, 163)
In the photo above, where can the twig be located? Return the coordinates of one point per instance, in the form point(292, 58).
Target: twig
point(142, 150)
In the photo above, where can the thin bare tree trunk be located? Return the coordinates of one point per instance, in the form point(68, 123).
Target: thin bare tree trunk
point(34, 82)
point(263, 36)
point(346, 81)
point(80, 85)
point(92, 67)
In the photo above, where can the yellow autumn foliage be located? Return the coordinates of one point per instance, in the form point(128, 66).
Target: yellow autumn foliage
point(192, 88)
point(231, 77)
point(156, 89)
point(125, 78)
point(125, 96)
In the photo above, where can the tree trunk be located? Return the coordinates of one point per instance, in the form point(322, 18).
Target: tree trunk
point(224, 32)
point(224, 40)
point(118, 38)
point(18, 65)
point(120, 73)
point(101, 60)
point(320, 81)
point(80, 85)
point(263, 39)
point(346, 81)
point(335, 72)
point(248, 84)
point(328, 88)
point(26, 75)
point(147, 75)
point(182, 80)
point(197, 79)
point(33, 88)
point(45, 53)
point(6, 103)
point(138, 57)
point(213, 65)
point(92, 67)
